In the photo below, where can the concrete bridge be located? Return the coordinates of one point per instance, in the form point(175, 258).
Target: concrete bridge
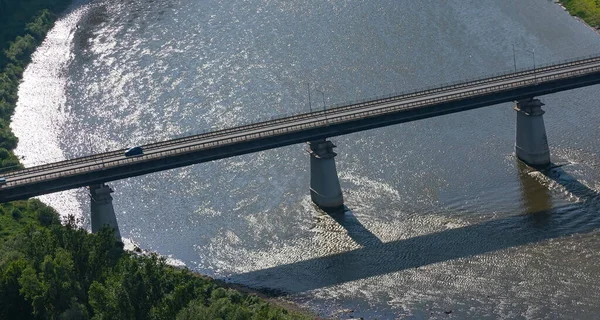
point(314, 127)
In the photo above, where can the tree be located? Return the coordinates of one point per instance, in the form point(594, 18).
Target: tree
point(19, 50)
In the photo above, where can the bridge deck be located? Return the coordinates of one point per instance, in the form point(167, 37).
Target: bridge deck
point(336, 121)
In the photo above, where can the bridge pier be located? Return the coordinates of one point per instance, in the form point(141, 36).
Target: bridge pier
point(531, 142)
point(102, 211)
point(325, 190)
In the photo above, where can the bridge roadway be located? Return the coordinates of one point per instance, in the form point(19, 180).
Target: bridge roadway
point(109, 166)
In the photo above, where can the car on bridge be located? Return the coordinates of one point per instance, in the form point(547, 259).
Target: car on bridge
point(134, 152)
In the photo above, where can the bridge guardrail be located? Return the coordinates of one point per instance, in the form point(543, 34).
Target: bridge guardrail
point(333, 109)
point(200, 137)
point(371, 112)
point(330, 119)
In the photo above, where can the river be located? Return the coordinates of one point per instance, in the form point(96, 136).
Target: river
point(442, 221)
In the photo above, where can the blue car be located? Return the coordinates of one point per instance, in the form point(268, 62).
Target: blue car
point(133, 152)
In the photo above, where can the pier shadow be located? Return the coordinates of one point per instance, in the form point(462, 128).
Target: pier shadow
point(557, 174)
point(536, 198)
point(376, 258)
point(355, 230)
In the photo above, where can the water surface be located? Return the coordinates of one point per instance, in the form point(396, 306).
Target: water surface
point(440, 214)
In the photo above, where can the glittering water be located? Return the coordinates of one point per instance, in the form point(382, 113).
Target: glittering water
point(440, 215)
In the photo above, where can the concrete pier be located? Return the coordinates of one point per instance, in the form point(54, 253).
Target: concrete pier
point(325, 190)
point(531, 142)
point(102, 212)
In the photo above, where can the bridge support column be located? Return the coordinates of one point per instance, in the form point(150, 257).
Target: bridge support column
point(531, 144)
point(102, 212)
point(325, 190)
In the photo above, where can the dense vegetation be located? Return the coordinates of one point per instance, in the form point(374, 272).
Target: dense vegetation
point(15, 15)
point(588, 10)
point(23, 25)
point(54, 271)
point(51, 271)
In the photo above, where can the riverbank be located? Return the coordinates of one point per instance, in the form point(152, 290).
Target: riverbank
point(267, 296)
point(587, 11)
point(34, 22)
point(49, 270)
point(54, 270)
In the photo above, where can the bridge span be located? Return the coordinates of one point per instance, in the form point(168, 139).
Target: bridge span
point(315, 127)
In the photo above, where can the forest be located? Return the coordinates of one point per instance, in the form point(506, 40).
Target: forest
point(50, 270)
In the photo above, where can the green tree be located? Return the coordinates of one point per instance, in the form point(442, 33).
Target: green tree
point(41, 24)
point(34, 290)
point(14, 305)
point(19, 50)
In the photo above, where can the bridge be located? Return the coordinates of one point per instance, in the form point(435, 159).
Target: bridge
point(314, 127)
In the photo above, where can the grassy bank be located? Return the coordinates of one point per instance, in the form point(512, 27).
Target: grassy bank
point(588, 10)
point(53, 271)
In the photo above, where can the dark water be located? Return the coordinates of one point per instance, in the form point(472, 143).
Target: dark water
point(440, 214)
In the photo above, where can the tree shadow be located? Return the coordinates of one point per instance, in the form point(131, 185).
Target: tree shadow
point(541, 222)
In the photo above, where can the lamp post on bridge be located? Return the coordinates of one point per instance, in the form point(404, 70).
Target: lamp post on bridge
point(532, 51)
point(514, 58)
point(324, 109)
point(309, 103)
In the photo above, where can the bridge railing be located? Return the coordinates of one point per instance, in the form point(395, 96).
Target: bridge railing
point(332, 110)
point(318, 122)
point(474, 80)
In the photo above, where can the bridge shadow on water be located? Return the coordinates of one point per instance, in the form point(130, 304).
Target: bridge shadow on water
point(541, 222)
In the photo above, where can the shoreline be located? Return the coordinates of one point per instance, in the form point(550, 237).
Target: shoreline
point(576, 17)
point(286, 304)
point(278, 300)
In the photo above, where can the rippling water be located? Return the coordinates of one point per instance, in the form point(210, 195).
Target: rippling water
point(440, 214)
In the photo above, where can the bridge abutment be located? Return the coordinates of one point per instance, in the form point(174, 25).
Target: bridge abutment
point(102, 210)
point(531, 142)
point(325, 190)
